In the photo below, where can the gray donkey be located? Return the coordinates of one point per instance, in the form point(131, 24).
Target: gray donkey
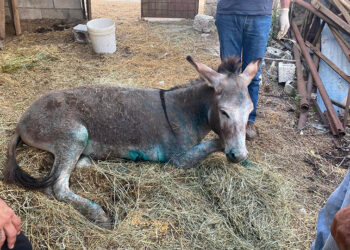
point(105, 121)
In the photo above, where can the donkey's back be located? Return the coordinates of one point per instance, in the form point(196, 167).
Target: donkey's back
point(114, 120)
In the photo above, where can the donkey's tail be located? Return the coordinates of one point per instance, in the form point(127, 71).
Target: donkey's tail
point(14, 174)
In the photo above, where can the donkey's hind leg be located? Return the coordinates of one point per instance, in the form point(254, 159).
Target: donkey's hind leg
point(66, 156)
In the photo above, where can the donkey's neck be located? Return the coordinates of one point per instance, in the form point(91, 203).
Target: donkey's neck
point(193, 101)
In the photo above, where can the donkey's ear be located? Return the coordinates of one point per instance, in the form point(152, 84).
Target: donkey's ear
point(212, 77)
point(251, 70)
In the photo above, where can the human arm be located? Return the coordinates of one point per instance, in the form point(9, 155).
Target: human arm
point(10, 225)
point(284, 18)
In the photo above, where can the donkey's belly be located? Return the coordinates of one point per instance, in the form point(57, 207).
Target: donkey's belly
point(136, 153)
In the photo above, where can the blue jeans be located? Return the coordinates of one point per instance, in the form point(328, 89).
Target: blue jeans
point(245, 37)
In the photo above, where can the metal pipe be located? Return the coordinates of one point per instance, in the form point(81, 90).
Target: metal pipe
point(318, 34)
point(315, 11)
point(302, 119)
point(318, 81)
point(320, 114)
point(338, 104)
point(310, 80)
point(346, 4)
point(346, 111)
point(344, 25)
point(329, 62)
point(341, 43)
point(301, 86)
point(342, 9)
point(332, 127)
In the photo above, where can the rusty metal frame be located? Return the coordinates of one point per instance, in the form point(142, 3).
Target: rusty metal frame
point(327, 12)
point(334, 119)
point(327, 19)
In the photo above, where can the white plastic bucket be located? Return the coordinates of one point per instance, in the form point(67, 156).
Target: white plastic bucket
point(102, 35)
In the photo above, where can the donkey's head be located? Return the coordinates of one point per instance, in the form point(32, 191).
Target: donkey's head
point(231, 104)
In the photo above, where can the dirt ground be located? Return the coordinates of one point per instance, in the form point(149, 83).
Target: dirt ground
point(152, 55)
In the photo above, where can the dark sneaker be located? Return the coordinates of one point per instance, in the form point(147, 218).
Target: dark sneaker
point(251, 131)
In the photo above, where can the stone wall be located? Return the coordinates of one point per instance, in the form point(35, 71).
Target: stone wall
point(210, 7)
point(47, 9)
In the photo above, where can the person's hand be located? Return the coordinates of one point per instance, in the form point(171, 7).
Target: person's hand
point(284, 23)
point(10, 225)
point(340, 228)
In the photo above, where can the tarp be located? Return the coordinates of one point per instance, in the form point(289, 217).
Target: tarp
point(336, 86)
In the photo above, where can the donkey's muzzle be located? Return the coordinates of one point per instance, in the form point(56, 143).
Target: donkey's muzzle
point(236, 157)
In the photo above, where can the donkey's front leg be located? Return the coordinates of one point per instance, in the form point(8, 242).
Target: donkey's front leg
point(196, 154)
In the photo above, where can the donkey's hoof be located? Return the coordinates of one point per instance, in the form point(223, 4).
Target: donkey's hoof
point(49, 191)
point(84, 162)
point(104, 222)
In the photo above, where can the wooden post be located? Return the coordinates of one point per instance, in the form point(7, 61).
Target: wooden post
point(15, 17)
point(2, 19)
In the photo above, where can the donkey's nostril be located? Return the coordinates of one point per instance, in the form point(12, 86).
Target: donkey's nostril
point(231, 155)
point(235, 156)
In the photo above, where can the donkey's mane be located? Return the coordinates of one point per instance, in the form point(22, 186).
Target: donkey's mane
point(187, 85)
point(230, 65)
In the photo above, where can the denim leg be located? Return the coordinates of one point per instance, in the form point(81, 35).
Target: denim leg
point(255, 38)
point(230, 31)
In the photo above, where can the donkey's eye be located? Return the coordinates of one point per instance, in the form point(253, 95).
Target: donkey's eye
point(223, 112)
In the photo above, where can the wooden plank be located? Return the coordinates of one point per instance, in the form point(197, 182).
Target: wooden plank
point(2, 19)
point(15, 16)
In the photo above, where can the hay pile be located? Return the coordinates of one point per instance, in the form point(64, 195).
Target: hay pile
point(217, 205)
point(156, 206)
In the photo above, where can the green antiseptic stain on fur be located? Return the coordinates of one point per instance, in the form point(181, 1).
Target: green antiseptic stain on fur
point(137, 155)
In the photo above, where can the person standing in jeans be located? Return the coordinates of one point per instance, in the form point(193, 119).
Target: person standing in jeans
point(243, 27)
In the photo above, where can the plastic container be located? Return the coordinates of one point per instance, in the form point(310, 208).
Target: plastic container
point(102, 35)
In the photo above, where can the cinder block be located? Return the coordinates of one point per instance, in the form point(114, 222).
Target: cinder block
point(67, 4)
point(75, 14)
point(26, 13)
point(81, 34)
point(286, 72)
point(62, 14)
point(35, 4)
point(54, 14)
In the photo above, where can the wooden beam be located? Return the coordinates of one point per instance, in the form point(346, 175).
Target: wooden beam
point(2, 19)
point(15, 15)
